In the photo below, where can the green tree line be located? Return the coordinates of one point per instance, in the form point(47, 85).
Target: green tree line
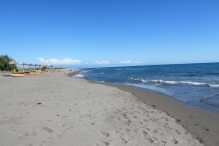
point(4, 63)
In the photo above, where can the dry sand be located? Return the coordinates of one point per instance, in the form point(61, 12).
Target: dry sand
point(54, 109)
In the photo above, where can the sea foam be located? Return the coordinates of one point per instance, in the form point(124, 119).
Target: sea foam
point(78, 76)
point(163, 82)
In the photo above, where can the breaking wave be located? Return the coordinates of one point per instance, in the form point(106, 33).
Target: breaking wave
point(78, 76)
point(163, 82)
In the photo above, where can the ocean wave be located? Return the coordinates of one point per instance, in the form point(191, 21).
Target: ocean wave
point(210, 100)
point(216, 86)
point(131, 69)
point(211, 96)
point(78, 76)
point(163, 82)
point(85, 71)
point(128, 69)
point(81, 74)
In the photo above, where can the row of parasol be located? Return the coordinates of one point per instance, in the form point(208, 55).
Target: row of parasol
point(26, 64)
point(30, 65)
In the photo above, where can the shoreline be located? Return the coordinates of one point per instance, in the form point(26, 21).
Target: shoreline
point(55, 109)
point(71, 74)
point(201, 123)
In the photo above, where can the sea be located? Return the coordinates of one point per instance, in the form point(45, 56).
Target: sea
point(194, 84)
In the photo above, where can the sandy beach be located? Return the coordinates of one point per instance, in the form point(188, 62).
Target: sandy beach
point(55, 109)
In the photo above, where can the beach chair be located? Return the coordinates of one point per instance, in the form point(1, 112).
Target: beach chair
point(17, 74)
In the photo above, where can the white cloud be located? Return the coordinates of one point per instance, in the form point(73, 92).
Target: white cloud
point(102, 62)
point(129, 62)
point(53, 61)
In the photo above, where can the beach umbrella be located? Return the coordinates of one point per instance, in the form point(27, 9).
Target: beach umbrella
point(35, 66)
point(44, 67)
point(50, 67)
point(39, 65)
point(23, 63)
point(13, 62)
point(29, 66)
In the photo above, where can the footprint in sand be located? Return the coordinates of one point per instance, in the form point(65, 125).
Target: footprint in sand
point(100, 143)
point(175, 141)
point(63, 125)
point(106, 143)
point(105, 134)
point(150, 140)
point(145, 133)
point(177, 131)
point(146, 136)
point(48, 129)
point(135, 117)
point(166, 119)
point(128, 122)
point(28, 134)
point(125, 141)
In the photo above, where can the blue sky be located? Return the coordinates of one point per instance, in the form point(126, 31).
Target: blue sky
point(110, 32)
